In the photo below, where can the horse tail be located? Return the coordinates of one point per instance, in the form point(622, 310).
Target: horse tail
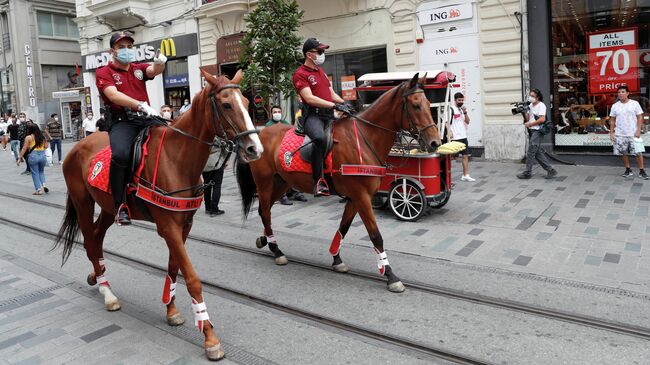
point(247, 187)
point(68, 232)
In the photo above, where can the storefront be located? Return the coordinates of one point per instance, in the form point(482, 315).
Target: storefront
point(73, 104)
point(173, 86)
point(595, 46)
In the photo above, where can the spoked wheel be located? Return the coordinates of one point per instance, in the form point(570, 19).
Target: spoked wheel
point(407, 200)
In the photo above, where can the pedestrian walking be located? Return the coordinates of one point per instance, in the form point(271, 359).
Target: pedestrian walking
point(89, 125)
point(625, 122)
point(212, 178)
point(14, 141)
point(101, 124)
point(535, 117)
point(54, 134)
point(34, 150)
point(3, 133)
point(22, 133)
point(457, 128)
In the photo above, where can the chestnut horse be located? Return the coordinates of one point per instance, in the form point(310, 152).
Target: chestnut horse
point(218, 116)
point(405, 107)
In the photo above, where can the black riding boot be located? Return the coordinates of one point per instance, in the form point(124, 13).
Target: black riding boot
point(118, 175)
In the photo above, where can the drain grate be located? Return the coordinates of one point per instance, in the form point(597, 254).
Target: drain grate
point(29, 298)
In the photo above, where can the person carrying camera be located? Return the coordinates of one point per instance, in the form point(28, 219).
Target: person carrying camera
point(534, 118)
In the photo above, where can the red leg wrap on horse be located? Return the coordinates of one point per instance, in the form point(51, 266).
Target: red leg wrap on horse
point(336, 243)
point(169, 291)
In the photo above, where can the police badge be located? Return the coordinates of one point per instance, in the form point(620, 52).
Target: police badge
point(138, 74)
point(288, 157)
point(96, 170)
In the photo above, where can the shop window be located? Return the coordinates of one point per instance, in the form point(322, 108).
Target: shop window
point(355, 63)
point(56, 25)
point(596, 47)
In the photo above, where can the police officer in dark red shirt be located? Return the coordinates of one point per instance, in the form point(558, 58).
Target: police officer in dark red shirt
point(317, 94)
point(122, 85)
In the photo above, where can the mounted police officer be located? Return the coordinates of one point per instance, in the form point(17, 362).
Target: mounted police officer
point(317, 94)
point(122, 85)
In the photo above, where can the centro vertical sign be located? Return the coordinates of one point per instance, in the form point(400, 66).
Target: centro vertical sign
point(29, 70)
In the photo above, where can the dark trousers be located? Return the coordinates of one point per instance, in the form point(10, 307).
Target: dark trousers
point(535, 151)
point(315, 129)
point(26, 156)
point(122, 134)
point(212, 192)
point(55, 144)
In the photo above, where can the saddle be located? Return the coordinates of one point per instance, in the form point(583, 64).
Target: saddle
point(295, 152)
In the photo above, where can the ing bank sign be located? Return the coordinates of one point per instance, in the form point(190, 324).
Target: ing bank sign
point(175, 47)
point(445, 14)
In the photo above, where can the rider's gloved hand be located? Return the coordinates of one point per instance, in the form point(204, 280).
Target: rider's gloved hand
point(143, 107)
point(160, 58)
point(344, 108)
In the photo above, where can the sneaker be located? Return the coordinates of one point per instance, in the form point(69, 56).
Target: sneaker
point(643, 175)
point(215, 212)
point(524, 175)
point(285, 201)
point(60, 162)
point(467, 178)
point(628, 173)
point(551, 174)
point(299, 197)
point(25, 173)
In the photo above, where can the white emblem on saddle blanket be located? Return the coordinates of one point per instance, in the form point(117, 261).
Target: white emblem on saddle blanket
point(288, 157)
point(96, 170)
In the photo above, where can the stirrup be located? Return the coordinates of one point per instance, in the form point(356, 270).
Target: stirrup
point(321, 188)
point(126, 220)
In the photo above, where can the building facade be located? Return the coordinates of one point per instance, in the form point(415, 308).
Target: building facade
point(39, 56)
point(167, 25)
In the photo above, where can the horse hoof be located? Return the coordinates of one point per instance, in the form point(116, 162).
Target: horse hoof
point(396, 287)
point(113, 306)
point(215, 353)
point(175, 320)
point(282, 260)
point(91, 279)
point(342, 268)
point(260, 242)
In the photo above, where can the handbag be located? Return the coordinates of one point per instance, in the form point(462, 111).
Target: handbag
point(639, 146)
point(48, 155)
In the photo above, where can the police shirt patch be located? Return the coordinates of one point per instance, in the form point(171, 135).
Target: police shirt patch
point(138, 74)
point(116, 77)
point(312, 80)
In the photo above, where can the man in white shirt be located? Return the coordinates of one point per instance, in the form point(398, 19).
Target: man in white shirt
point(186, 106)
point(535, 117)
point(626, 119)
point(458, 131)
point(89, 125)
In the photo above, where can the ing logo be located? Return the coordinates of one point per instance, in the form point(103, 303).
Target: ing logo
point(168, 47)
point(453, 50)
point(454, 13)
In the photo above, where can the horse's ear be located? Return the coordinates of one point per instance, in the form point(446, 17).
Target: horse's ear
point(212, 79)
point(238, 77)
point(414, 80)
point(423, 79)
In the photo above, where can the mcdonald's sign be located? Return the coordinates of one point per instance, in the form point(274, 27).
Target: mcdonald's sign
point(168, 47)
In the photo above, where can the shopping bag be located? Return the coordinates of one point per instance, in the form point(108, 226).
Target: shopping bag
point(48, 156)
point(639, 147)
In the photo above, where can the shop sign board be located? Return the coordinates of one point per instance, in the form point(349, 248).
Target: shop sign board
point(449, 50)
point(348, 83)
point(229, 48)
point(65, 94)
point(177, 80)
point(613, 60)
point(445, 14)
point(174, 47)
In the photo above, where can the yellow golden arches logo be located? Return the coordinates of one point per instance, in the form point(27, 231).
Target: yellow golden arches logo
point(167, 47)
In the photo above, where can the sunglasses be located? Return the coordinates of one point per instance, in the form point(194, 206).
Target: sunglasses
point(319, 51)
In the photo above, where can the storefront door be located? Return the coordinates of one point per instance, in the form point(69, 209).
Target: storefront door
point(71, 119)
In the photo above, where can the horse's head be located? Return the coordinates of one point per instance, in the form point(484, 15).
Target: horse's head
point(230, 115)
point(416, 108)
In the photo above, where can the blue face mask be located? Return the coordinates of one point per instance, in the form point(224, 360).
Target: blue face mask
point(125, 55)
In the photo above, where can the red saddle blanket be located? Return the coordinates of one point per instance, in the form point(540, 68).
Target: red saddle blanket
point(98, 174)
point(290, 158)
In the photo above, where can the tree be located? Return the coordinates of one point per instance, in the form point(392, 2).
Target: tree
point(271, 48)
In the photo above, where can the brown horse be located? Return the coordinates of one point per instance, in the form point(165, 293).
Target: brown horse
point(219, 110)
point(405, 107)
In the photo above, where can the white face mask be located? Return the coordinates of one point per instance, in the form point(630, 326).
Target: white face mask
point(187, 103)
point(320, 59)
point(277, 116)
point(531, 99)
point(56, 119)
point(90, 117)
point(22, 119)
point(167, 115)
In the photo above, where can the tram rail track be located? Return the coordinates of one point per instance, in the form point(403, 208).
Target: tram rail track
point(410, 346)
point(564, 316)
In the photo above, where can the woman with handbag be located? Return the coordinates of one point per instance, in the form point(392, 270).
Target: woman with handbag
point(35, 146)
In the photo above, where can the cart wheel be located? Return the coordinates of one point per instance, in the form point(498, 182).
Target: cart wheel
point(379, 202)
point(443, 202)
point(407, 201)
